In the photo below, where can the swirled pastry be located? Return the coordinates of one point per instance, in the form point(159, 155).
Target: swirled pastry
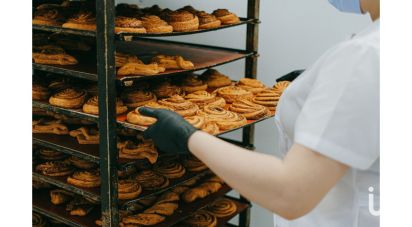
point(226, 17)
point(85, 179)
point(268, 98)
point(131, 150)
point(132, 68)
point(58, 84)
point(224, 119)
point(150, 180)
point(129, 25)
point(166, 89)
point(196, 121)
point(83, 20)
point(201, 218)
point(68, 98)
point(54, 169)
point(37, 220)
point(79, 206)
point(252, 85)
point(154, 24)
point(203, 98)
point(193, 164)
point(122, 59)
point(143, 219)
point(60, 196)
point(171, 170)
point(232, 93)
point(138, 98)
point(39, 92)
point(129, 189)
point(183, 21)
point(215, 79)
point(81, 163)
point(281, 86)
point(52, 55)
point(52, 16)
point(222, 208)
point(248, 109)
point(211, 128)
point(91, 106)
point(86, 135)
point(168, 197)
point(192, 83)
point(207, 21)
point(172, 62)
point(135, 117)
point(50, 155)
point(181, 106)
point(49, 126)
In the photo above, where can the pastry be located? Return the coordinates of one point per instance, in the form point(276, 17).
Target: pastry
point(211, 128)
point(121, 59)
point(183, 21)
point(86, 179)
point(209, 186)
point(207, 21)
point(180, 189)
point(122, 214)
point(165, 209)
point(86, 135)
point(50, 155)
point(196, 121)
point(83, 20)
point(49, 126)
point(201, 218)
point(171, 170)
point(168, 197)
point(91, 106)
point(136, 98)
point(57, 85)
point(189, 9)
point(68, 98)
point(60, 196)
point(131, 150)
point(224, 119)
point(192, 83)
point(193, 164)
point(203, 98)
point(143, 219)
point(154, 24)
point(222, 208)
point(81, 163)
point(39, 92)
point(281, 86)
point(248, 109)
point(54, 169)
point(181, 106)
point(37, 220)
point(52, 55)
point(166, 90)
point(126, 171)
point(132, 68)
point(215, 79)
point(153, 10)
point(268, 98)
point(128, 189)
point(128, 25)
point(226, 17)
point(150, 180)
point(79, 206)
point(252, 85)
point(51, 16)
point(135, 117)
point(232, 93)
point(172, 62)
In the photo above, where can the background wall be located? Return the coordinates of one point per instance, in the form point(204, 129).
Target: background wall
point(293, 34)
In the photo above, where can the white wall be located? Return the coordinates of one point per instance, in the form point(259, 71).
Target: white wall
point(293, 34)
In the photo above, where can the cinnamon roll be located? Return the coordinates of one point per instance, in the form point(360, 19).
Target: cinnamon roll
point(140, 69)
point(281, 86)
point(268, 98)
point(232, 93)
point(136, 118)
point(172, 62)
point(224, 119)
point(54, 169)
point(50, 155)
point(81, 163)
point(60, 196)
point(211, 128)
point(150, 180)
point(171, 170)
point(181, 106)
point(222, 208)
point(203, 98)
point(83, 20)
point(68, 98)
point(91, 106)
point(226, 17)
point(215, 79)
point(85, 179)
point(201, 218)
point(37, 220)
point(143, 219)
point(122, 59)
point(252, 85)
point(128, 25)
point(207, 21)
point(49, 126)
point(51, 16)
point(193, 164)
point(154, 24)
point(131, 150)
point(192, 83)
point(138, 98)
point(128, 189)
point(166, 90)
point(183, 21)
point(86, 135)
point(52, 55)
point(58, 85)
point(196, 121)
point(248, 109)
point(39, 92)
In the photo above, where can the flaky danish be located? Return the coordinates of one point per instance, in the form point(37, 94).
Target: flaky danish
point(203, 98)
point(39, 92)
point(189, 8)
point(68, 98)
point(138, 98)
point(85, 179)
point(201, 218)
point(249, 109)
point(60, 196)
point(222, 208)
point(50, 155)
point(172, 62)
point(143, 219)
point(181, 106)
point(129, 25)
point(196, 121)
point(52, 55)
point(207, 21)
point(91, 106)
point(192, 83)
point(143, 150)
point(122, 59)
point(86, 135)
point(54, 168)
point(150, 180)
point(136, 118)
point(281, 86)
point(252, 85)
point(224, 119)
point(170, 170)
point(52, 16)
point(183, 21)
point(232, 93)
point(165, 209)
point(81, 163)
point(132, 68)
point(211, 127)
point(166, 89)
point(83, 20)
point(193, 164)
point(226, 17)
point(128, 189)
point(268, 98)
point(79, 206)
point(154, 24)
point(49, 126)
point(215, 79)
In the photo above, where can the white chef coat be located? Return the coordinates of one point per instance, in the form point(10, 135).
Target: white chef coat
point(333, 109)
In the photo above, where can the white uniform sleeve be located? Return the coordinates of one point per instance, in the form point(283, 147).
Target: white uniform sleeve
point(340, 117)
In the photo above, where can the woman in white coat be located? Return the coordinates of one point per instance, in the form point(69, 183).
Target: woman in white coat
point(329, 119)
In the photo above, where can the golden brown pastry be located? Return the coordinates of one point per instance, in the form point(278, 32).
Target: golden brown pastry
point(135, 117)
point(150, 180)
point(193, 164)
point(126, 171)
point(183, 21)
point(68, 98)
point(249, 109)
point(224, 119)
point(154, 24)
point(79, 207)
point(51, 16)
point(281, 86)
point(168, 197)
point(140, 69)
point(50, 155)
point(39, 92)
point(81, 163)
point(91, 106)
point(86, 135)
point(209, 186)
point(131, 150)
point(129, 189)
point(121, 59)
point(196, 121)
point(181, 106)
point(211, 127)
point(215, 79)
point(268, 98)
point(128, 25)
point(192, 83)
point(201, 218)
point(172, 62)
point(252, 85)
point(85, 179)
point(166, 90)
point(203, 98)
point(52, 55)
point(122, 214)
point(222, 208)
point(37, 220)
point(226, 17)
point(165, 209)
point(207, 21)
point(60, 196)
point(171, 170)
point(136, 98)
point(58, 84)
point(83, 20)
point(232, 93)
point(49, 126)
point(143, 219)
point(54, 169)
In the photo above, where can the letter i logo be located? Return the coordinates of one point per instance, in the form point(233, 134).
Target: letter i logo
point(372, 204)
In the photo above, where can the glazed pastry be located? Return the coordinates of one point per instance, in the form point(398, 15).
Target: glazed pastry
point(52, 55)
point(172, 62)
point(51, 16)
point(183, 21)
point(193, 164)
point(79, 207)
point(60, 196)
point(81, 163)
point(232, 93)
point(224, 119)
point(86, 135)
point(268, 98)
point(211, 128)
point(171, 170)
point(131, 150)
point(39, 92)
point(140, 69)
point(49, 126)
point(154, 24)
point(50, 155)
point(150, 180)
point(37, 220)
point(252, 85)
point(85, 179)
point(281, 86)
point(181, 106)
point(207, 21)
point(143, 219)
point(222, 208)
point(138, 98)
point(203, 98)
point(201, 218)
point(196, 121)
point(135, 117)
point(166, 90)
point(248, 109)
point(226, 17)
point(91, 106)
point(83, 20)
point(122, 59)
point(68, 98)
point(215, 79)
point(192, 83)
point(128, 189)
point(165, 209)
point(128, 25)
point(54, 169)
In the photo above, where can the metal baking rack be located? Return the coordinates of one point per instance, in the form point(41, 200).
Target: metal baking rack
point(103, 70)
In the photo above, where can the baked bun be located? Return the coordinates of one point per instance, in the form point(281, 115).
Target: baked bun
point(140, 69)
point(181, 106)
point(172, 62)
point(215, 79)
point(83, 20)
point(192, 83)
point(122, 59)
point(203, 98)
point(39, 92)
point(207, 21)
point(268, 98)
point(232, 93)
point(248, 109)
point(224, 119)
point(281, 86)
point(138, 98)
point(153, 24)
point(183, 21)
point(226, 17)
point(128, 25)
point(92, 106)
point(68, 98)
point(166, 90)
point(252, 85)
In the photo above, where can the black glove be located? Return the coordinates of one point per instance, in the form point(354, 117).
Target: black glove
point(170, 133)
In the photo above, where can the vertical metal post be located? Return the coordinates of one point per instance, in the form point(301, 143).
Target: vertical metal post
point(107, 113)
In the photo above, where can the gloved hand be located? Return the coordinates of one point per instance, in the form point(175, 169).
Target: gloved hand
point(170, 133)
